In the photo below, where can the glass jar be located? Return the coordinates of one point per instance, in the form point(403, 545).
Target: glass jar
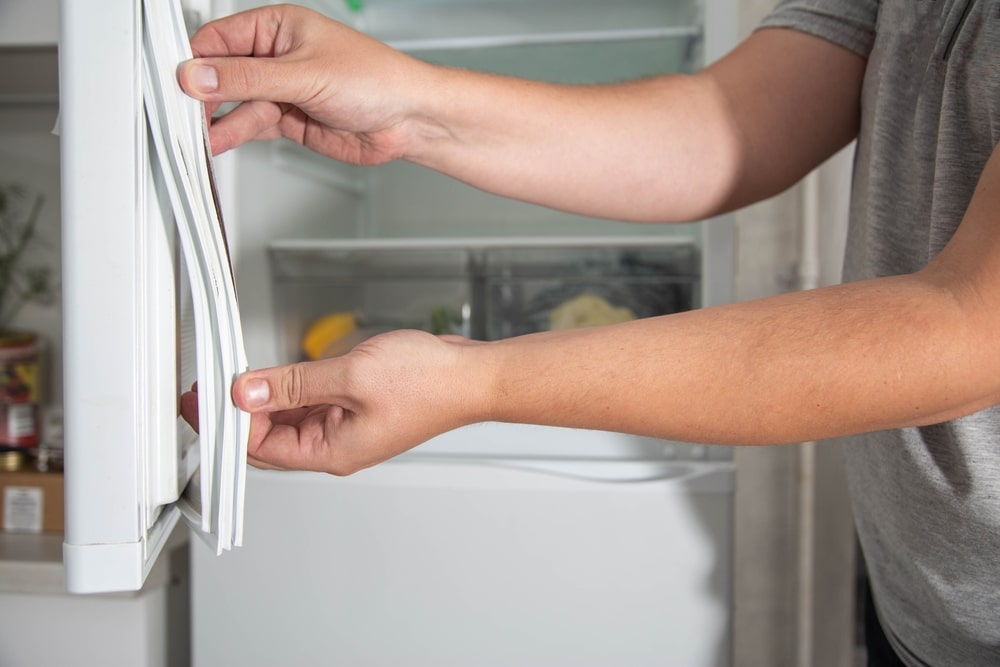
point(20, 380)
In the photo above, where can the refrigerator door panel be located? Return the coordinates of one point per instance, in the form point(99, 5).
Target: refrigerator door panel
point(117, 566)
point(101, 198)
point(130, 299)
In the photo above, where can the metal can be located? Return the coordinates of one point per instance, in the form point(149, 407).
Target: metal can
point(20, 381)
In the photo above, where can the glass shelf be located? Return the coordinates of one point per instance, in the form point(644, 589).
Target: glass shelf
point(421, 25)
point(485, 289)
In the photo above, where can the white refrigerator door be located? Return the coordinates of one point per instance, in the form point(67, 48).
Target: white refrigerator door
point(128, 328)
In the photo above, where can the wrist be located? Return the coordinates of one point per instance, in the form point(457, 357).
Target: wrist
point(480, 365)
point(427, 121)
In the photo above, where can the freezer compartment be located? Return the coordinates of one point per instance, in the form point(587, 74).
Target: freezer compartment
point(475, 565)
point(330, 295)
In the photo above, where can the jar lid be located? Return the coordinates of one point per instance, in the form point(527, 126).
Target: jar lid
point(11, 461)
point(17, 338)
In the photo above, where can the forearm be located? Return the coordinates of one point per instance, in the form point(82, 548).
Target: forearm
point(652, 150)
point(672, 148)
point(810, 365)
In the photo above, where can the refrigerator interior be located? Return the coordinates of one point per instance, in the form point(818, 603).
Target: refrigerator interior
point(485, 289)
point(278, 191)
point(330, 295)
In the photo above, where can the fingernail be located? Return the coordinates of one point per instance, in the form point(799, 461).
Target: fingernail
point(204, 79)
point(256, 393)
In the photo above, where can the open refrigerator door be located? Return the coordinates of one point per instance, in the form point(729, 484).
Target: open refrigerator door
point(149, 303)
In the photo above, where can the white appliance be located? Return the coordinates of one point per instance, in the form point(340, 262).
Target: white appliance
point(441, 561)
point(140, 278)
point(492, 545)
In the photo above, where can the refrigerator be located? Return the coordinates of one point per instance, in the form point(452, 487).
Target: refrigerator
point(494, 544)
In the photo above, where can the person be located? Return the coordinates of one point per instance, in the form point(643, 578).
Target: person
point(904, 354)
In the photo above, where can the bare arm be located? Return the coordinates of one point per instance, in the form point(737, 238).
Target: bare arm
point(662, 149)
point(883, 353)
point(671, 148)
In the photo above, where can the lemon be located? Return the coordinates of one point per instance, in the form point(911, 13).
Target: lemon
point(325, 331)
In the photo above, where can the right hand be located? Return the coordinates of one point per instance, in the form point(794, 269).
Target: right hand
point(303, 76)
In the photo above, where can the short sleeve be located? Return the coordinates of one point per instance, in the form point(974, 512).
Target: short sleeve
point(847, 23)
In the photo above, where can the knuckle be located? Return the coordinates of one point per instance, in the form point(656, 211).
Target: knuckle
point(344, 467)
point(340, 470)
point(241, 78)
point(293, 385)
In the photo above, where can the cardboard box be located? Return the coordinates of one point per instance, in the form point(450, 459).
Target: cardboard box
point(31, 501)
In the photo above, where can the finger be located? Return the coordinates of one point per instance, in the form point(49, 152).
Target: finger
point(294, 417)
point(262, 465)
point(251, 121)
point(286, 387)
point(305, 445)
point(260, 430)
point(237, 79)
point(189, 408)
point(247, 33)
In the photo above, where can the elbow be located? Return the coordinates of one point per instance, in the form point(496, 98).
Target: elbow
point(712, 164)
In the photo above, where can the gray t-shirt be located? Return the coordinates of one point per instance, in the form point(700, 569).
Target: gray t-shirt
point(926, 500)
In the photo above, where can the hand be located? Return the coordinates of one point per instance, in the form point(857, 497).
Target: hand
point(302, 76)
point(340, 415)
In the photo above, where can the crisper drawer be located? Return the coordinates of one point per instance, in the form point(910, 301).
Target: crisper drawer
point(330, 295)
point(531, 289)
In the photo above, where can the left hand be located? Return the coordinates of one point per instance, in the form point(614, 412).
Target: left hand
point(340, 415)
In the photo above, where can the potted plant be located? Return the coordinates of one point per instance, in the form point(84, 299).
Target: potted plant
point(24, 278)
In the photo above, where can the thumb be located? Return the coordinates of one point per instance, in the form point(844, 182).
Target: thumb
point(274, 389)
point(237, 79)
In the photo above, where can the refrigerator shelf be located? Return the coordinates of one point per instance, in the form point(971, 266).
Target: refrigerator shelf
point(485, 289)
point(460, 24)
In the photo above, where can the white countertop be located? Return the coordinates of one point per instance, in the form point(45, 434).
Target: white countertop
point(32, 563)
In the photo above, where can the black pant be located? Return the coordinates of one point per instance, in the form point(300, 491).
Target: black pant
point(880, 653)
